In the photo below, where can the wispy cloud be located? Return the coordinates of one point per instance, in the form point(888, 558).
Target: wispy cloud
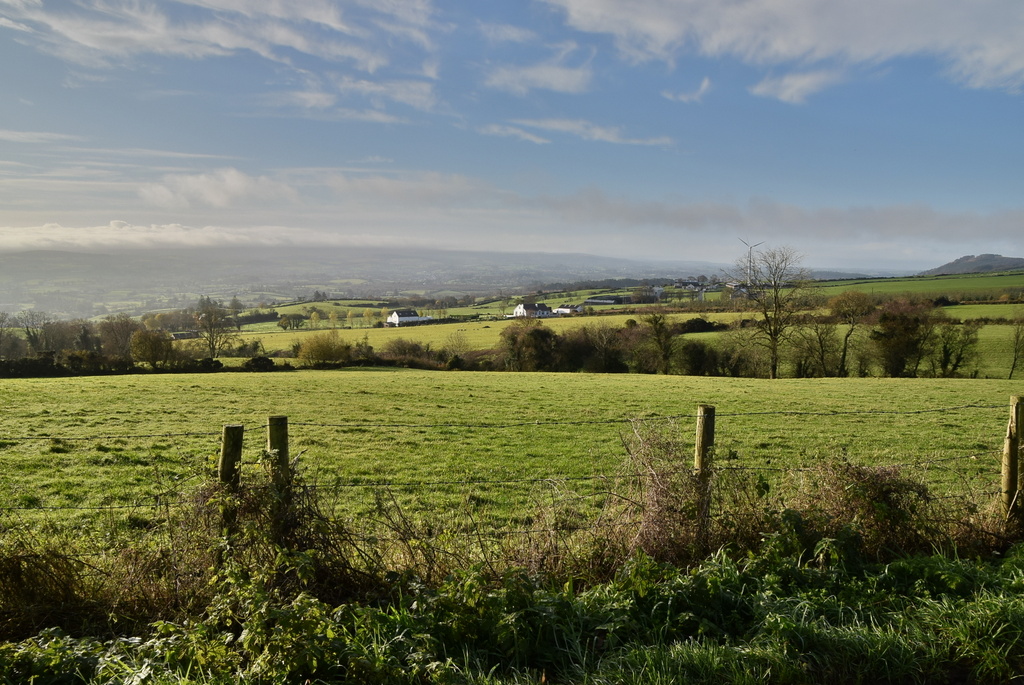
point(316, 12)
point(416, 94)
point(691, 97)
point(220, 189)
point(506, 33)
point(512, 132)
point(8, 24)
point(979, 41)
point(32, 137)
point(795, 88)
point(590, 131)
point(553, 74)
point(96, 33)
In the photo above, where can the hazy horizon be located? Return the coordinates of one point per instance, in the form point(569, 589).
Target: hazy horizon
point(869, 136)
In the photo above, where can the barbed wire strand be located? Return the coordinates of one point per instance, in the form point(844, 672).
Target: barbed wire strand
point(518, 424)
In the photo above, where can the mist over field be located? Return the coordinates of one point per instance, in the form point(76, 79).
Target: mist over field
point(87, 283)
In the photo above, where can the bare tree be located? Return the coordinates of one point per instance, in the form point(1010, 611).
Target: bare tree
point(956, 346)
point(818, 347)
point(235, 306)
point(775, 282)
point(33, 322)
point(850, 308)
point(152, 347)
point(213, 322)
point(1017, 344)
point(116, 334)
point(6, 324)
point(504, 303)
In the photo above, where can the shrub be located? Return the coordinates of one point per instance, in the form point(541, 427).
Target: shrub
point(259, 363)
point(410, 353)
point(324, 348)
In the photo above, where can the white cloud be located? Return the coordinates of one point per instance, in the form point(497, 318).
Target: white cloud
point(512, 132)
point(795, 88)
point(305, 99)
point(373, 116)
point(320, 12)
point(122, 235)
point(695, 96)
point(220, 189)
point(416, 94)
point(521, 80)
point(96, 33)
point(8, 24)
point(144, 152)
point(552, 74)
point(458, 211)
point(32, 137)
point(590, 131)
point(506, 33)
point(979, 41)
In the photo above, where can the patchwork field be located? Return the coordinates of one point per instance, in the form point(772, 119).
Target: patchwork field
point(976, 286)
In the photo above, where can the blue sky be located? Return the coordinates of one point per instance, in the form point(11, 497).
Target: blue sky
point(866, 134)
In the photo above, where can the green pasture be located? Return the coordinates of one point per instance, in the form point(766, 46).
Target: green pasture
point(494, 446)
point(965, 312)
point(478, 335)
point(993, 345)
point(953, 286)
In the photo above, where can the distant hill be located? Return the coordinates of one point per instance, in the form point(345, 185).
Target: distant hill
point(84, 284)
point(979, 264)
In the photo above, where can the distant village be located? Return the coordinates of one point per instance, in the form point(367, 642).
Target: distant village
point(531, 310)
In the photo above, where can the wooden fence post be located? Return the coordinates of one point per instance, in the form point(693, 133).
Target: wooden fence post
point(702, 456)
point(1012, 476)
point(229, 474)
point(230, 455)
point(705, 437)
point(277, 446)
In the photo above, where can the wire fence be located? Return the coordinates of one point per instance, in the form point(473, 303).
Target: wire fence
point(517, 494)
point(381, 427)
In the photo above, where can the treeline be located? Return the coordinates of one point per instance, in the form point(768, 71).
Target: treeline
point(526, 345)
point(35, 344)
point(851, 335)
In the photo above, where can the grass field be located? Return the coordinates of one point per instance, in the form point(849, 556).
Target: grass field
point(478, 335)
point(993, 344)
point(952, 286)
point(86, 442)
point(465, 453)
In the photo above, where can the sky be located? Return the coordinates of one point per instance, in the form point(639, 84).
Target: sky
point(865, 134)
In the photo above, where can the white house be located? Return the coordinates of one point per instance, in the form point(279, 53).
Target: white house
point(406, 317)
point(567, 309)
point(538, 311)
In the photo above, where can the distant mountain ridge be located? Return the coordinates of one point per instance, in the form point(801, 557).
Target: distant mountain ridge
point(971, 264)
